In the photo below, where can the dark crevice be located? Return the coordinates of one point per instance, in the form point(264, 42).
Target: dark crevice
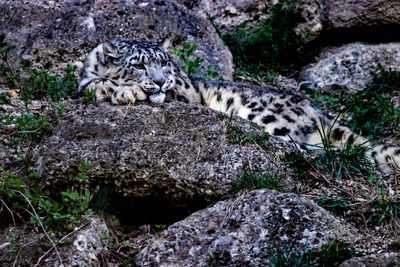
point(155, 209)
point(369, 34)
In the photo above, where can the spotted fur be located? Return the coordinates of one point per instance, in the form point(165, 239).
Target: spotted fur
point(127, 70)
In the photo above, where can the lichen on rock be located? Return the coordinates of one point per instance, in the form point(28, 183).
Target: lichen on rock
point(242, 230)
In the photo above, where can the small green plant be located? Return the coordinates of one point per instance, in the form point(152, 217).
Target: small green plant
point(338, 205)
point(211, 73)
point(272, 47)
point(330, 101)
point(60, 108)
point(185, 54)
point(386, 208)
point(24, 127)
point(237, 136)
point(9, 183)
point(191, 66)
point(90, 95)
point(349, 159)
point(42, 85)
point(74, 204)
point(11, 75)
point(296, 161)
point(160, 227)
point(15, 194)
point(4, 99)
point(255, 180)
point(215, 25)
point(372, 112)
point(334, 253)
point(85, 166)
point(329, 254)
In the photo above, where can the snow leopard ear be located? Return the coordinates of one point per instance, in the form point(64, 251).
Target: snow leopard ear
point(165, 44)
point(113, 53)
point(110, 50)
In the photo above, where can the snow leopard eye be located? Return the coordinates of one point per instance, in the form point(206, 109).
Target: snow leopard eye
point(139, 66)
point(164, 63)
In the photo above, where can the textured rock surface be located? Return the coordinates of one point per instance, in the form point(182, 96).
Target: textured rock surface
point(350, 66)
point(360, 13)
point(24, 245)
point(240, 232)
point(376, 260)
point(163, 157)
point(229, 14)
point(317, 16)
point(53, 33)
point(88, 244)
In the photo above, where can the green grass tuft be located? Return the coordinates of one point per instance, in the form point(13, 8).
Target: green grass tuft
point(256, 180)
point(339, 205)
point(329, 254)
point(52, 214)
point(4, 99)
point(346, 161)
point(237, 136)
point(372, 112)
point(41, 85)
point(273, 47)
point(25, 127)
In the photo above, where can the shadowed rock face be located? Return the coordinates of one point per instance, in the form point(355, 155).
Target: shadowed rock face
point(375, 260)
point(153, 160)
point(229, 14)
point(329, 21)
point(361, 13)
point(241, 231)
point(52, 34)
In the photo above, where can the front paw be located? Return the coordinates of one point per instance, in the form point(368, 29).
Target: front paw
point(123, 96)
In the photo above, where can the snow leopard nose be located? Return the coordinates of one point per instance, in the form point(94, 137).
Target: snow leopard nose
point(160, 82)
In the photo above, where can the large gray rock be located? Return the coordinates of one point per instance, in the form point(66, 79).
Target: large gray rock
point(25, 245)
point(88, 246)
point(52, 34)
point(388, 259)
point(228, 14)
point(241, 231)
point(336, 17)
point(152, 159)
point(361, 13)
point(350, 66)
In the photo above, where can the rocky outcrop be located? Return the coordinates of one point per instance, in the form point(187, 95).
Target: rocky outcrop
point(241, 231)
point(56, 33)
point(153, 160)
point(350, 66)
point(229, 14)
point(28, 246)
point(88, 245)
point(376, 260)
point(361, 13)
point(340, 20)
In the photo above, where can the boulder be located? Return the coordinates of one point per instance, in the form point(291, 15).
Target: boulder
point(228, 14)
point(340, 14)
point(56, 33)
point(88, 246)
point(376, 260)
point(26, 245)
point(155, 161)
point(336, 20)
point(350, 66)
point(242, 231)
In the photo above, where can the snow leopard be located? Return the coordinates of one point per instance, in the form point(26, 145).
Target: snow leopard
point(123, 71)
